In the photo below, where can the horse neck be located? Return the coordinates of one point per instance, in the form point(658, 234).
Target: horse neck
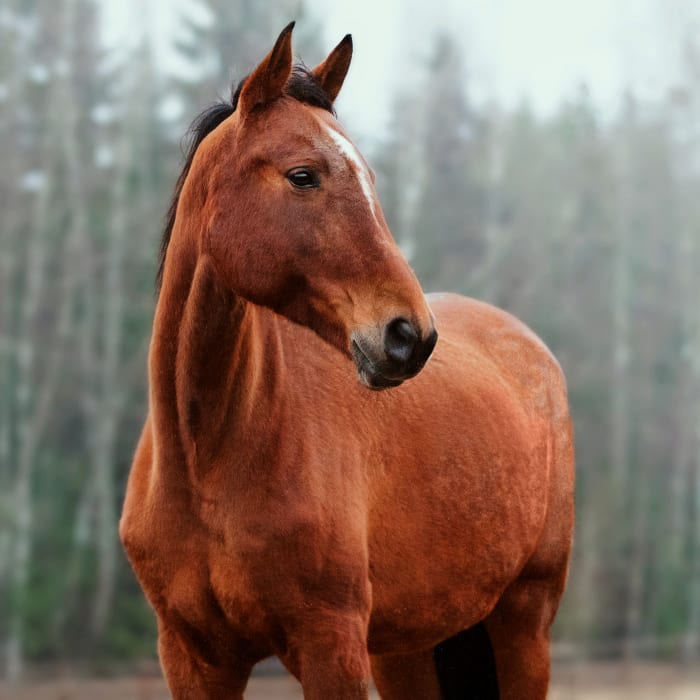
point(213, 364)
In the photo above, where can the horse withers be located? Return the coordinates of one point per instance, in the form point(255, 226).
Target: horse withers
point(281, 503)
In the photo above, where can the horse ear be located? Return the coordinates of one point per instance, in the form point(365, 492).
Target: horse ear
point(267, 81)
point(331, 73)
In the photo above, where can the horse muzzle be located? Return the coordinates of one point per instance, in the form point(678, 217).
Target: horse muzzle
point(386, 357)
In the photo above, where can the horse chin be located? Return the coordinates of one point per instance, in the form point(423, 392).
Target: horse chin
point(376, 382)
point(367, 373)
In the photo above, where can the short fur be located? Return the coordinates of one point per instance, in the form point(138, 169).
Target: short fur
point(278, 506)
point(302, 86)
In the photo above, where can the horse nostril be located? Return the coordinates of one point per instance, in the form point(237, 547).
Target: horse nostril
point(400, 340)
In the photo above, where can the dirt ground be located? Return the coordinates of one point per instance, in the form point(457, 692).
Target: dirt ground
point(602, 681)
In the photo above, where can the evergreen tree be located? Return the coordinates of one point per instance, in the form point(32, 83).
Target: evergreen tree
point(398, 164)
point(447, 228)
point(222, 43)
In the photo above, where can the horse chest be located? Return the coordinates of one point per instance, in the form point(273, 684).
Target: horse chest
point(264, 565)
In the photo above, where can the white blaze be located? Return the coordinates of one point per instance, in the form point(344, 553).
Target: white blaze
point(353, 155)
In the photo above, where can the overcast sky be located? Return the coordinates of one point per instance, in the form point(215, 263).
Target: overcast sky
point(542, 50)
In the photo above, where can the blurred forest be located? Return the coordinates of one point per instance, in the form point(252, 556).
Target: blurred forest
point(588, 228)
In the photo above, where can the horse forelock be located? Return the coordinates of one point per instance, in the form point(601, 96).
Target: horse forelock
point(302, 86)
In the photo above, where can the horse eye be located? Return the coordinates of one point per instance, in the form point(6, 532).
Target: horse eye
point(303, 178)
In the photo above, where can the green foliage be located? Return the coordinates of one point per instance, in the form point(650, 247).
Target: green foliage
point(447, 236)
point(132, 633)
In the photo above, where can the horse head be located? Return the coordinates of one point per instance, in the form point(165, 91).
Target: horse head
point(292, 220)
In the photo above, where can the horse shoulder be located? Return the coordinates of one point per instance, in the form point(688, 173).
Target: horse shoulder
point(155, 527)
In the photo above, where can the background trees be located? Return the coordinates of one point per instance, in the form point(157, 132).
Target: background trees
point(587, 227)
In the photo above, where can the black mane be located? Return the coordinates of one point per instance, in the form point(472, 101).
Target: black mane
point(302, 86)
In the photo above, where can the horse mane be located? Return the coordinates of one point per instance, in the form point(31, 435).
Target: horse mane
point(302, 86)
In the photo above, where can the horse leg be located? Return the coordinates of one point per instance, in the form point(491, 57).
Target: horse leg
point(519, 625)
point(190, 675)
point(332, 660)
point(518, 629)
point(403, 676)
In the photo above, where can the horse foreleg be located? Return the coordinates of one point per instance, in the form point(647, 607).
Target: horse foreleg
point(402, 676)
point(192, 676)
point(332, 659)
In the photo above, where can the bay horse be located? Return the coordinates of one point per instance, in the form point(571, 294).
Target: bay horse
point(281, 503)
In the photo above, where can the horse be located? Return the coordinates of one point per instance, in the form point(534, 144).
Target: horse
point(318, 477)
